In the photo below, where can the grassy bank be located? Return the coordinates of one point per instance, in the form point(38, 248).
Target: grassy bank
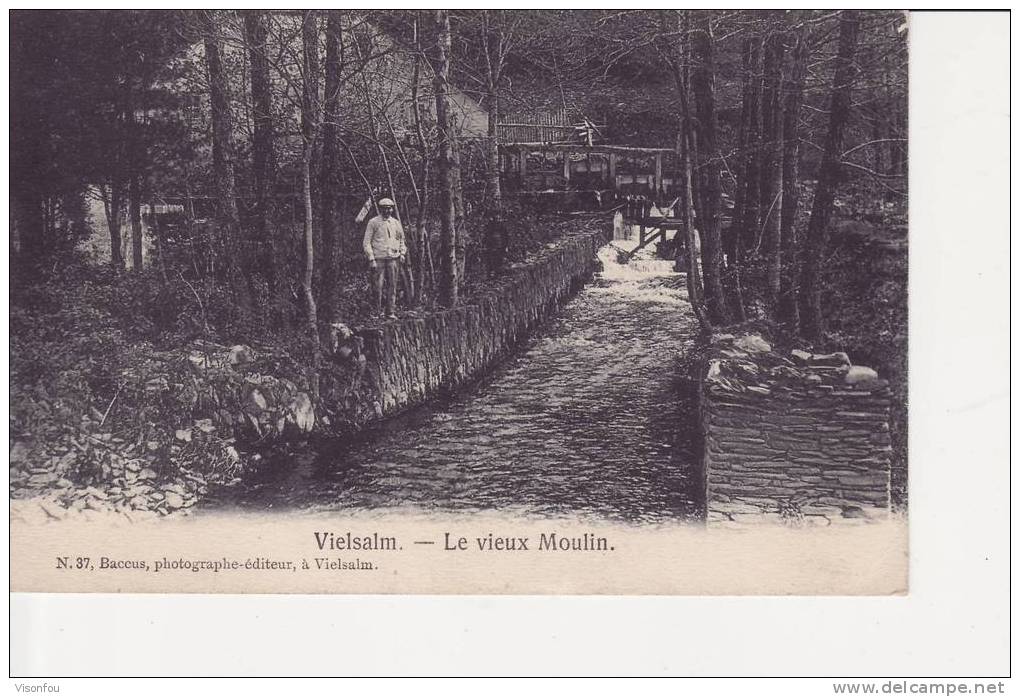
point(126, 397)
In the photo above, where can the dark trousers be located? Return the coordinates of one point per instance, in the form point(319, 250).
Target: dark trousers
point(386, 274)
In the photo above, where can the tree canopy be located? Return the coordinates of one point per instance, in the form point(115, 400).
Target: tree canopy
point(229, 116)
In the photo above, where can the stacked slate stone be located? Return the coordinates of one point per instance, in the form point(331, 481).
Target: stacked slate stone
point(799, 439)
point(241, 394)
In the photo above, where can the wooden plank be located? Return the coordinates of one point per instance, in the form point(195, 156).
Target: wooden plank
point(644, 241)
point(600, 148)
point(532, 125)
point(659, 221)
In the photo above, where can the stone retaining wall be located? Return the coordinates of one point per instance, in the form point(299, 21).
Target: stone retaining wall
point(800, 438)
point(376, 371)
point(412, 359)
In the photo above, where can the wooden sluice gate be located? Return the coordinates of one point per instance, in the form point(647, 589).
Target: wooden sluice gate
point(657, 229)
point(652, 226)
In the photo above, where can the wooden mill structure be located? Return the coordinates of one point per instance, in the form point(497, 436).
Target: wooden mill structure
point(578, 166)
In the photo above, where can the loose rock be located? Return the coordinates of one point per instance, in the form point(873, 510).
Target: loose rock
point(801, 357)
point(174, 500)
point(860, 374)
point(752, 343)
point(832, 360)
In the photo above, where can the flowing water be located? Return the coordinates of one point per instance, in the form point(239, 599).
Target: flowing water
point(589, 420)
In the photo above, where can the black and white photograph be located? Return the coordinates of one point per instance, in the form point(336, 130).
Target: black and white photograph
point(639, 266)
point(543, 301)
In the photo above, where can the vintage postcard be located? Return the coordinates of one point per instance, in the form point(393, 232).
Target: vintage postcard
point(459, 302)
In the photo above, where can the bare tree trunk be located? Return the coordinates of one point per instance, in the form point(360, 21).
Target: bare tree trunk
point(492, 150)
point(898, 128)
point(882, 113)
point(736, 239)
point(829, 174)
point(135, 207)
point(494, 69)
point(189, 220)
point(732, 239)
point(459, 227)
point(27, 236)
point(787, 312)
point(311, 102)
point(112, 206)
point(223, 164)
point(328, 184)
point(310, 71)
point(263, 157)
point(900, 156)
point(309, 130)
point(425, 261)
point(772, 166)
point(695, 288)
point(702, 79)
point(879, 133)
point(157, 236)
point(751, 185)
point(135, 159)
point(685, 138)
point(896, 123)
point(307, 279)
point(448, 279)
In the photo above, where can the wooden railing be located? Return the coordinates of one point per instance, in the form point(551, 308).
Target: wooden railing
point(509, 133)
point(536, 128)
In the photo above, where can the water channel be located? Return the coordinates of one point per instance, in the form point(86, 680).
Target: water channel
point(588, 420)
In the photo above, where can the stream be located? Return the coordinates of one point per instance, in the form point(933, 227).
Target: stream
point(589, 419)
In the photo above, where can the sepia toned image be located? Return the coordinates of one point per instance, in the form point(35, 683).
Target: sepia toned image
point(429, 301)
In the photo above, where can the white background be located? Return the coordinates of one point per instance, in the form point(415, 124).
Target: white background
point(955, 621)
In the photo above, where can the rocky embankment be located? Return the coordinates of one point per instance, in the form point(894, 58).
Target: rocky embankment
point(219, 403)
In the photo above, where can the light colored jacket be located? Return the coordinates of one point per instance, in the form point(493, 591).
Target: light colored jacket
point(384, 238)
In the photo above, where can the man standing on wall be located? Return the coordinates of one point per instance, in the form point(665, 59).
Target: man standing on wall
point(385, 248)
